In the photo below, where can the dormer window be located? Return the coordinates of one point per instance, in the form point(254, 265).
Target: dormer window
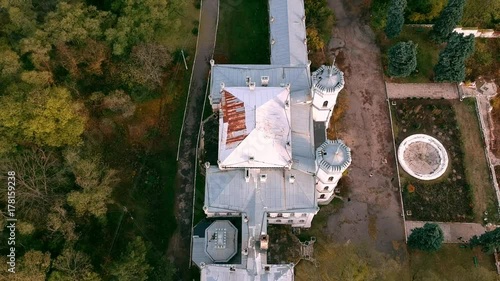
point(325, 103)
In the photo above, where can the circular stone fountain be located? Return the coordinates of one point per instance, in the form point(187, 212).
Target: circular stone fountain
point(423, 157)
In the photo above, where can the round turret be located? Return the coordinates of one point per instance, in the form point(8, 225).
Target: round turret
point(327, 82)
point(333, 157)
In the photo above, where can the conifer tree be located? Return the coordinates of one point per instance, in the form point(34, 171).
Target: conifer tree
point(402, 59)
point(447, 20)
point(429, 238)
point(395, 18)
point(451, 64)
point(489, 241)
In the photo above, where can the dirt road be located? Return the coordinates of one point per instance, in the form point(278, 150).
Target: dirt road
point(180, 243)
point(373, 215)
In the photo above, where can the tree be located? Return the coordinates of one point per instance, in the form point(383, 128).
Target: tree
point(395, 18)
point(314, 42)
point(402, 59)
point(9, 62)
point(149, 59)
point(139, 21)
point(424, 10)
point(73, 23)
point(451, 63)
point(489, 241)
point(40, 178)
point(132, 265)
point(33, 266)
point(73, 265)
point(94, 179)
point(430, 237)
point(447, 20)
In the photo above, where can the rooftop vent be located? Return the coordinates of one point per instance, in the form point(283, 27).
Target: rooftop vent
point(267, 268)
point(247, 80)
point(222, 85)
point(247, 175)
point(292, 179)
point(272, 19)
point(251, 85)
point(264, 241)
point(263, 178)
point(273, 41)
point(264, 81)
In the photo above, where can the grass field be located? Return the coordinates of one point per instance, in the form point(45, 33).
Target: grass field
point(452, 263)
point(476, 168)
point(243, 33)
point(448, 198)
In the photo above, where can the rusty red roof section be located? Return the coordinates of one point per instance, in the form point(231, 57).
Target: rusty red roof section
point(233, 110)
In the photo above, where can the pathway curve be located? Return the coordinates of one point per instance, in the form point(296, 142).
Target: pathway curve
point(373, 215)
point(180, 243)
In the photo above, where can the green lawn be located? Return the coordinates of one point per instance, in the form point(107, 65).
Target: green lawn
point(427, 53)
point(452, 263)
point(243, 32)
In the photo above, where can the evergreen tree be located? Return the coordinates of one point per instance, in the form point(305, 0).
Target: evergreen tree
point(447, 20)
point(489, 241)
point(451, 64)
point(402, 59)
point(426, 238)
point(395, 18)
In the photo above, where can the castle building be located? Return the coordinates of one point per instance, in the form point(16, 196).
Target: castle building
point(275, 165)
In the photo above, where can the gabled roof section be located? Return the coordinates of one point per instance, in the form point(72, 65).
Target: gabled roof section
point(254, 129)
point(288, 32)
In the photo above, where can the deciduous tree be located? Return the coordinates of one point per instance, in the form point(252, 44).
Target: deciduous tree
point(430, 237)
point(395, 18)
point(132, 265)
point(447, 20)
point(94, 179)
point(424, 10)
point(402, 59)
point(138, 21)
point(73, 265)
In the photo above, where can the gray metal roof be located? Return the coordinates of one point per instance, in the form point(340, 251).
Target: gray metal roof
point(333, 156)
point(287, 32)
point(228, 190)
point(221, 241)
point(282, 272)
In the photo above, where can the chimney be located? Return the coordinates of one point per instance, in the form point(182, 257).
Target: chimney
point(251, 85)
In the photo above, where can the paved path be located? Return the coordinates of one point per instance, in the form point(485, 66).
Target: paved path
point(422, 90)
point(374, 213)
point(180, 243)
point(452, 231)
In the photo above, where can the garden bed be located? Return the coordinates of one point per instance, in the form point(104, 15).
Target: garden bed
point(448, 198)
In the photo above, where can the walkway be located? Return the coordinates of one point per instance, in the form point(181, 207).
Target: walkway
point(373, 215)
point(454, 232)
point(422, 90)
point(180, 243)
